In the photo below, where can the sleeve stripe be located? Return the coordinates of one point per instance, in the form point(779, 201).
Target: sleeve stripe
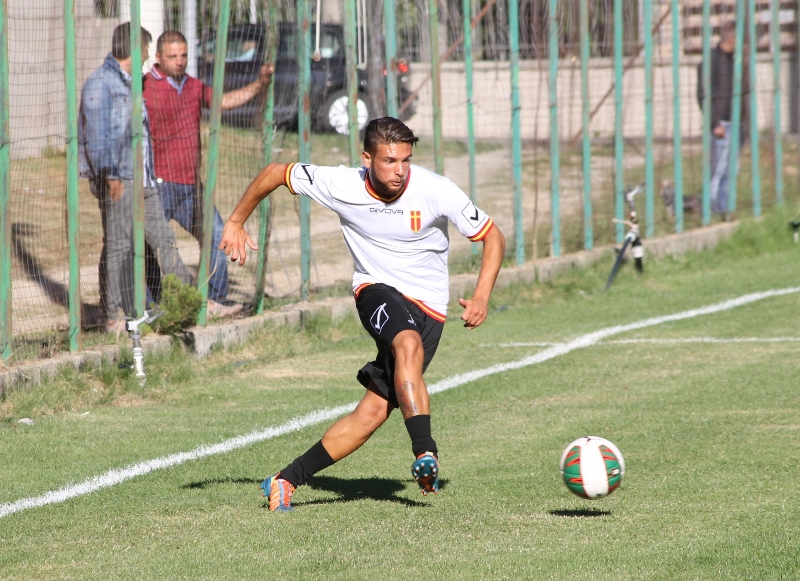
point(484, 231)
point(287, 178)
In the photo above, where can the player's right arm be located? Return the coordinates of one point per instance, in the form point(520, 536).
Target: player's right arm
point(234, 237)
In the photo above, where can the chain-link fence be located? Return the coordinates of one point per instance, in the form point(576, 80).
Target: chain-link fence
point(619, 77)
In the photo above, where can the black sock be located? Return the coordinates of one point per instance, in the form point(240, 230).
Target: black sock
point(304, 467)
point(419, 428)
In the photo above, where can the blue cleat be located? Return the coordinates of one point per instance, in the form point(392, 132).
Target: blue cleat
point(425, 471)
point(279, 492)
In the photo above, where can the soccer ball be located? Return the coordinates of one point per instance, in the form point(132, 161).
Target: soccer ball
point(592, 467)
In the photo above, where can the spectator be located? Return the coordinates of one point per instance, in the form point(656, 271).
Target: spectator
point(175, 102)
point(106, 158)
point(721, 111)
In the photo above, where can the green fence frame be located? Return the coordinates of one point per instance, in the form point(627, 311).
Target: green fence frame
point(619, 145)
point(736, 107)
point(516, 131)
point(137, 132)
point(266, 209)
point(586, 141)
point(677, 143)
point(466, 8)
point(555, 137)
point(212, 167)
point(304, 136)
point(73, 198)
point(6, 327)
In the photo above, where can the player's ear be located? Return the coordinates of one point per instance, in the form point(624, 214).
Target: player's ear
point(366, 159)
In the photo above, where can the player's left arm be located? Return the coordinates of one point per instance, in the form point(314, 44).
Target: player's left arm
point(476, 309)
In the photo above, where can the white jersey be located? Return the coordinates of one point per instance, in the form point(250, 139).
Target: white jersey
point(402, 243)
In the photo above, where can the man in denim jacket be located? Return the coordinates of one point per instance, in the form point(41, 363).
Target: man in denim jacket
point(106, 158)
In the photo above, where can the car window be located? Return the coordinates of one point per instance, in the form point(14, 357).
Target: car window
point(239, 50)
point(329, 44)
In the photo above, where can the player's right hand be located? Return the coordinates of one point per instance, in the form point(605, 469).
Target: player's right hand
point(234, 241)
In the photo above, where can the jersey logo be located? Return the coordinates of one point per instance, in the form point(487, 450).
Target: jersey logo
point(473, 215)
point(309, 176)
point(416, 220)
point(379, 318)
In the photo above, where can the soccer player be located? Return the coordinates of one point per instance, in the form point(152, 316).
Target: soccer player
point(394, 219)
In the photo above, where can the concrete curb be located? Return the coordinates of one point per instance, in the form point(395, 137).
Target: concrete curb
point(202, 340)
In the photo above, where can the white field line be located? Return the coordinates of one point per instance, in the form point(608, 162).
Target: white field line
point(117, 476)
point(659, 341)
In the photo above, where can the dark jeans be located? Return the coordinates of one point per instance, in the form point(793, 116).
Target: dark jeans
point(179, 205)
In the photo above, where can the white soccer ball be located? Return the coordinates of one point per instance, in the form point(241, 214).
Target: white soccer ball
point(592, 467)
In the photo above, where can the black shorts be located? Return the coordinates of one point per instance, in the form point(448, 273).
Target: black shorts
point(385, 312)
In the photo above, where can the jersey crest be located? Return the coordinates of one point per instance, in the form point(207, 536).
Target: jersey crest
point(416, 220)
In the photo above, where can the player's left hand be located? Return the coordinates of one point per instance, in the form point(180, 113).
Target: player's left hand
point(475, 312)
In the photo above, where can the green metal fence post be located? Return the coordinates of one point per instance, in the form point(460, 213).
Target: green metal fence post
point(212, 166)
point(390, 49)
point(6, 329)
point(677, 144)
point(304, 135)
point(648, 120)
point(775, 28)
point(436, 86)
point(706, 128)
point(588, 235)
point(619, 146)
point(466, 8)
point(265, 209)
point(755, 169)
point(555, 162)
point(736, 106)
point(137, 132)
point(73, 199)
point(351, 58)
point(516, 130)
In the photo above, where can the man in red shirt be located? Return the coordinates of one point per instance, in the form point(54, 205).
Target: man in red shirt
point(175, 102)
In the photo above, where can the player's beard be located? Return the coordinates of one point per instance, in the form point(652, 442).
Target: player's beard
point(385, 190)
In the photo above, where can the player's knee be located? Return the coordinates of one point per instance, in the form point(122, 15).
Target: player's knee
point(407, 346)
point(370, 418)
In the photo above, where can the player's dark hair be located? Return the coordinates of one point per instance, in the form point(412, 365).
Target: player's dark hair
point(387, 130)
point(121, 41)
point(168, 37)
point(727, 30)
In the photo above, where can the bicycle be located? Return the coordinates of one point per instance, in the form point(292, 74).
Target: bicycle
point(632, 238)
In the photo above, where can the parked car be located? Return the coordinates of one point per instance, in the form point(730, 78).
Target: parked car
point(245, 55)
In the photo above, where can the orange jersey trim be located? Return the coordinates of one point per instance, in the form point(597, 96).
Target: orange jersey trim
point(484, 231)
point(427, 310)
point(286, 181)
point(361, 287)
point(371, 191)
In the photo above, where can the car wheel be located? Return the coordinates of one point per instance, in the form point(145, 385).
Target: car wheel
point(334, 114)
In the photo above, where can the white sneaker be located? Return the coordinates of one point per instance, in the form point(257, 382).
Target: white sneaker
point(220, 311)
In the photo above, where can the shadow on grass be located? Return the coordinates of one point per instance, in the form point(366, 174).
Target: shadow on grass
point(353, 489)
point(216, 481)
point(580, 512)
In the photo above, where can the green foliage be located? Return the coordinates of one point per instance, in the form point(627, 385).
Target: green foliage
point(181, 304)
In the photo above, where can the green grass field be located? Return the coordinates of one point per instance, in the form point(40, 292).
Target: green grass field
point(708, 430)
